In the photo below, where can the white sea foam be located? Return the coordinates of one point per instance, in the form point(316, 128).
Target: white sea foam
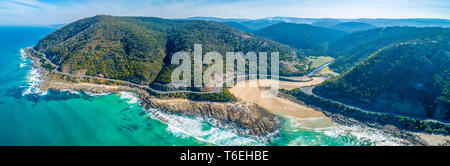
point(33, 79)
point(375, 136)
point(24, 58)
point(183, 126)
point(301, 141)
point(96, 94)
point(312, 123)
point(131, 97)
point(70, 91)
point(372, 135)
point(33, 83)
point(23, 55)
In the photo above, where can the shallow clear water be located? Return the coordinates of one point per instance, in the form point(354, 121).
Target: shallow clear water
point(30, 117)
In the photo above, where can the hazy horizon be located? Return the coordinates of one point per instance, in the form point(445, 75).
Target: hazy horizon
point(50, 12)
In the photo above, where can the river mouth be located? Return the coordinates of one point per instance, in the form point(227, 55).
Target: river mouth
point(263, 96)
point(305, 125)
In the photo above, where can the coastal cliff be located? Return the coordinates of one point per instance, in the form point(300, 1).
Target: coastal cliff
point(248, 118)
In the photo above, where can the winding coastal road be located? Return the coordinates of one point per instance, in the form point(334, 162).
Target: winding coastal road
point(308, 90)
point(130, 84)
point(320, 68)
point(147, 87)
point(289, 85)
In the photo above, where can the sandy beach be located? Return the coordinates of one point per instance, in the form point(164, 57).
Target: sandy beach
point(261, 95)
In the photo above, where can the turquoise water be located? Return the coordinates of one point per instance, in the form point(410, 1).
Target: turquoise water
point(29, 117)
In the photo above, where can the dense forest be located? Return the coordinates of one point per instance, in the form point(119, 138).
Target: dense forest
point(330, 22)
point(356, 47)
point(136, 49)
point(238, 26)
point(408, 79)
point(370, 118)
point(301, 36)
point(351, 27)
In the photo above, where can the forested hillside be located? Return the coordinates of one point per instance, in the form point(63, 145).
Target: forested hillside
point(238, 26)
point(356, 47)
point(138, 48)
point(408, 79)
point(351, 27)
point(301, 36)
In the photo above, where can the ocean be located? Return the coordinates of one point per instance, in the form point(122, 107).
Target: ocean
point(29, 117)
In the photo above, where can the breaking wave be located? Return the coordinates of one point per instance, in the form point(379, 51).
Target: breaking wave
point(202, 130)
point(130, 97)
point(351, 135)
point(376, 137)
point(33, 82)
point(70, 91)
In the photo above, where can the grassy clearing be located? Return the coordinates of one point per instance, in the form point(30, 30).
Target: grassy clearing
point(327, 72)
point(316, 62)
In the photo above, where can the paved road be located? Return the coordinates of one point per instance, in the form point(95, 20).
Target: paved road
point(320, 68)
point(120, 81)
point(56, 70)
point(216, 91)
point(309, 91)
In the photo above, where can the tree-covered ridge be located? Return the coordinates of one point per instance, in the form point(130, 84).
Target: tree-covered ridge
point(137, 48)
point(351, 27)
point(106, 46)
point(301, 36)
point(356, 47)
point(370, 118)
point(238, 26)
point(409, 79)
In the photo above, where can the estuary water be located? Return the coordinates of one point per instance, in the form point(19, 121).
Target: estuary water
point(31, 117)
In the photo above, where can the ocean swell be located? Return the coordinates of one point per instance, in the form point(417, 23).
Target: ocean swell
point(202, 129)
point(33, 81)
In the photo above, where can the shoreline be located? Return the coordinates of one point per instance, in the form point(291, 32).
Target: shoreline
point(306, 116)
point(264, 127)
point(414, 138)
point(301, 112)
point(280, 106)
point(260, 124)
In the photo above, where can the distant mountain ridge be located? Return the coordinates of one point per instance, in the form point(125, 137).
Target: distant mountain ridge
point(239, 26)
point(301, 36)
point(328, 22)
point(351, 27)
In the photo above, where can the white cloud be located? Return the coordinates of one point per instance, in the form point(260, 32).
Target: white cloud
point(35, 3)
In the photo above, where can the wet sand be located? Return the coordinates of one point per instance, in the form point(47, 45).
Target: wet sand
point(434, 140)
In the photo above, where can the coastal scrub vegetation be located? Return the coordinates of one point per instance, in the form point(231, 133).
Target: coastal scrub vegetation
point(410, 79)
point(224, 96)
point(402, 122)
point(302, 36)
point(354, 48)
point(136, 49)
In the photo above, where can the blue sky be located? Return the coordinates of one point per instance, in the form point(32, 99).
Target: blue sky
point(47, 12)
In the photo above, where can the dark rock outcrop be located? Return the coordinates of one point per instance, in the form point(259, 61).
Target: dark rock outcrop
point(250, 119)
